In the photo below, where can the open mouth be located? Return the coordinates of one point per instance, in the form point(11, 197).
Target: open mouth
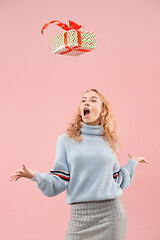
point(86, 112)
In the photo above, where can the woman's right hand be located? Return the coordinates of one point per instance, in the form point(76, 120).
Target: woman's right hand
point(23, 172)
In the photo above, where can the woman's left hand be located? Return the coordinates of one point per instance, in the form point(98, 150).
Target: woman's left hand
point(138, 159)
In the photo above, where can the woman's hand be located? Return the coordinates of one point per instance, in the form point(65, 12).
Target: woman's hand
point(24, 172)
point(138, 159)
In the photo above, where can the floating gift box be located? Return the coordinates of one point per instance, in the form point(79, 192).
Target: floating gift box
point(72, 42)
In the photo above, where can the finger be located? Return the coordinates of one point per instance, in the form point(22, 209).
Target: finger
point(24, 167)
point(20, 171)
point(13, 178)
point(141, 160)
point(17, 175)
point(14, 174)
point(17, 178)
point(144, 160)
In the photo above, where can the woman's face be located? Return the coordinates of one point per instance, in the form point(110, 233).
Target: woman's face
point(91, 100)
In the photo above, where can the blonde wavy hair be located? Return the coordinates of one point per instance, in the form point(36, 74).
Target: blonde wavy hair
point(110, 129)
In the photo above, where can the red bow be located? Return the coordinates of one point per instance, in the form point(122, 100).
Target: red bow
point(72, 25)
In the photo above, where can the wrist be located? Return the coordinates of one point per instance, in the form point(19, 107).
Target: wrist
point(32, 175)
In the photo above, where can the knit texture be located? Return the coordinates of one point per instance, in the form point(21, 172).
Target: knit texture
point(89, 170)
point(95, 220)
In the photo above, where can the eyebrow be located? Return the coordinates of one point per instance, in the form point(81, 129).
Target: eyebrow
point(91, 97)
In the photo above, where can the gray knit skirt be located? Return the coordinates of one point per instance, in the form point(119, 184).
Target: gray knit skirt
point(97, 220)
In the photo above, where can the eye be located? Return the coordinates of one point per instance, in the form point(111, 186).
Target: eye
point(92, 100)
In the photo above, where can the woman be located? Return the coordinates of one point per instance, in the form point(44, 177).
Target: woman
point(86, 165)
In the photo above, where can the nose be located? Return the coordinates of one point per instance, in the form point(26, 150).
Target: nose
point(86, 104)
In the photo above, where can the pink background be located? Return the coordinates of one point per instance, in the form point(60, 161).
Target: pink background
point(40, 92)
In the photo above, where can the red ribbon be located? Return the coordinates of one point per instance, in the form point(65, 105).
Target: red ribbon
point(69, 49)
point(72, 25)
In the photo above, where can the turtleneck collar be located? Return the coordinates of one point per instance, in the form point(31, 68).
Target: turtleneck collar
point(90, 130)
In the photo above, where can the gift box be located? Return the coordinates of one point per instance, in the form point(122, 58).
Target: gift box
point(72, 42)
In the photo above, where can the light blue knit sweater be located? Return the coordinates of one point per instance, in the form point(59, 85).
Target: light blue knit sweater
point(89, 170)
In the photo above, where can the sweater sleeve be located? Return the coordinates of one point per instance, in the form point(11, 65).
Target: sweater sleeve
point(123, 176)
point(57, 180)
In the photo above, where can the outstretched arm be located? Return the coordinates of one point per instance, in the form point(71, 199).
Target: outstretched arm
point(123, 176)
point(54, 182)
